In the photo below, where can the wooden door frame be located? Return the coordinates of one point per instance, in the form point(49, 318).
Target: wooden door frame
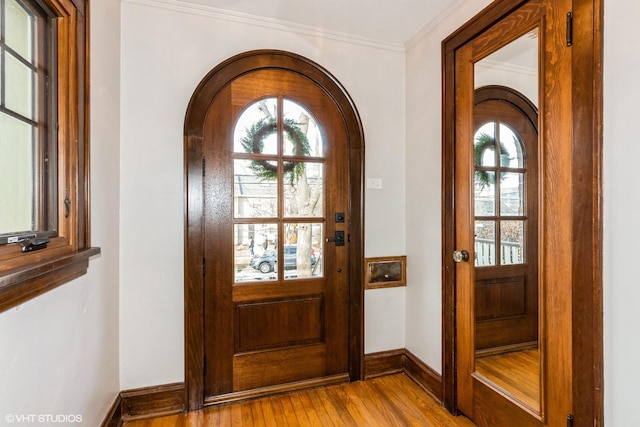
point(586, 199)
point(196, 112)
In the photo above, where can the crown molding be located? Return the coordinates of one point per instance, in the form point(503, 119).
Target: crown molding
point(510, 68)
point(433, 23)
point(269, 23)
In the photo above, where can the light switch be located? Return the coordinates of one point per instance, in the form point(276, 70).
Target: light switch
point(374, 183)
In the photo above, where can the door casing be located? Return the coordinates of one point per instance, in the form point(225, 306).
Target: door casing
point(206, 91)
point(583, 152)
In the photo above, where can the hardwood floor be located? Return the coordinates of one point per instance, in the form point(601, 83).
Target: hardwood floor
point(393, 400)
point(517, 372)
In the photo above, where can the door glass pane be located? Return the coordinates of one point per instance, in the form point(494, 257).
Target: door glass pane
point(303, 250)
point(512, 242)
point(18, 32)
point(484, 145)
point(256, 129)
point(255, 252)
point(254, 195)
point(16, 175)
point(511, 152)
point(485, 242)
point(302, 135)
point(511, 194)
point(304, 191)
point(485, 193)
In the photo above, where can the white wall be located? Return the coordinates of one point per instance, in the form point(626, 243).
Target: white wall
point(622, 204)
point(424, 183)
point(59, 352)
point(166, 50)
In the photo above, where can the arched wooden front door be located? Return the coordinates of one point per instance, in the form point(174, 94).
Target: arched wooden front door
point(274, 233)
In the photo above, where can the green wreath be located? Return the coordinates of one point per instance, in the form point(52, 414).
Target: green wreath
point(487, 142)
point(253, 142)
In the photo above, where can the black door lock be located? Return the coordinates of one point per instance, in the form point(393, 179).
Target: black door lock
point(338, 239)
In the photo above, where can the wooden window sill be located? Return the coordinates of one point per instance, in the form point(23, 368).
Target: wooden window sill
point(23, 283)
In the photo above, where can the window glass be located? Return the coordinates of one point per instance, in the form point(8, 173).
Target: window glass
point(484, 145)
point(255, 195)
point(303, 250)
point(301, 132)
point(512, 193)
point(500, 188)
point(304, 193)
point(511, 155)
point(18, 24)
point(485, 193)
point(486, 251)
point(256, 129)
point(27, 150)
point(255, 252)
point(278, 187)
point(18, 86)
point(512, 242)
point(16, 160)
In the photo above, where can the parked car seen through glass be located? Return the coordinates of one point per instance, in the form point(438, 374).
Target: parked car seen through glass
point(268, 261)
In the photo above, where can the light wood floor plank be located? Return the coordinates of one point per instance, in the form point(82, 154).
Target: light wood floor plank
point(390, 401)
point(517, 372)
point(323, 408)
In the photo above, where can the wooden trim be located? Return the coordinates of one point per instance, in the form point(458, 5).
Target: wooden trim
point(392, 282)
point(114, 416)
point(22, 284)
point(402, 360)
point(277, 389)
point(424, 376)
point(151, 402)
point(383, 363)
point(207, 89)
point(587, 316)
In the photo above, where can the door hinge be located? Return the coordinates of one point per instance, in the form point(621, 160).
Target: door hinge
point(204, 366)
point(204, 266)
point(204, 163)
point(569, 420)
point(569, 28)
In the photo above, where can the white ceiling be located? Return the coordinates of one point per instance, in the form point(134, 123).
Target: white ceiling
point(391, 21)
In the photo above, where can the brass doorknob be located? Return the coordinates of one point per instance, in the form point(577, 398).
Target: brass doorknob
point(460, 256)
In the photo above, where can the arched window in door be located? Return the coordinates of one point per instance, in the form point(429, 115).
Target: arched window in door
point(278, 191)
point(504, 176)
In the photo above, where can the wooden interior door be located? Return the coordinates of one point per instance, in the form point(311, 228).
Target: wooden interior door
point(276, 236)
point(569, 214)
point(487, 401)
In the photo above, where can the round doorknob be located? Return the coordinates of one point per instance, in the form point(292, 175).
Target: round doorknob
point(460, 256)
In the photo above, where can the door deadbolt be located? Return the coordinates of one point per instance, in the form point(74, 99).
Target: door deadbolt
point(460, 256)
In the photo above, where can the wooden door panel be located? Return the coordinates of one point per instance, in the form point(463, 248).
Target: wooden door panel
point(265, 325)
point(263, 369)
point(498, 299)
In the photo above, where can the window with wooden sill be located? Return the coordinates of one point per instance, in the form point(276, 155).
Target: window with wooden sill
point(44, 150)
